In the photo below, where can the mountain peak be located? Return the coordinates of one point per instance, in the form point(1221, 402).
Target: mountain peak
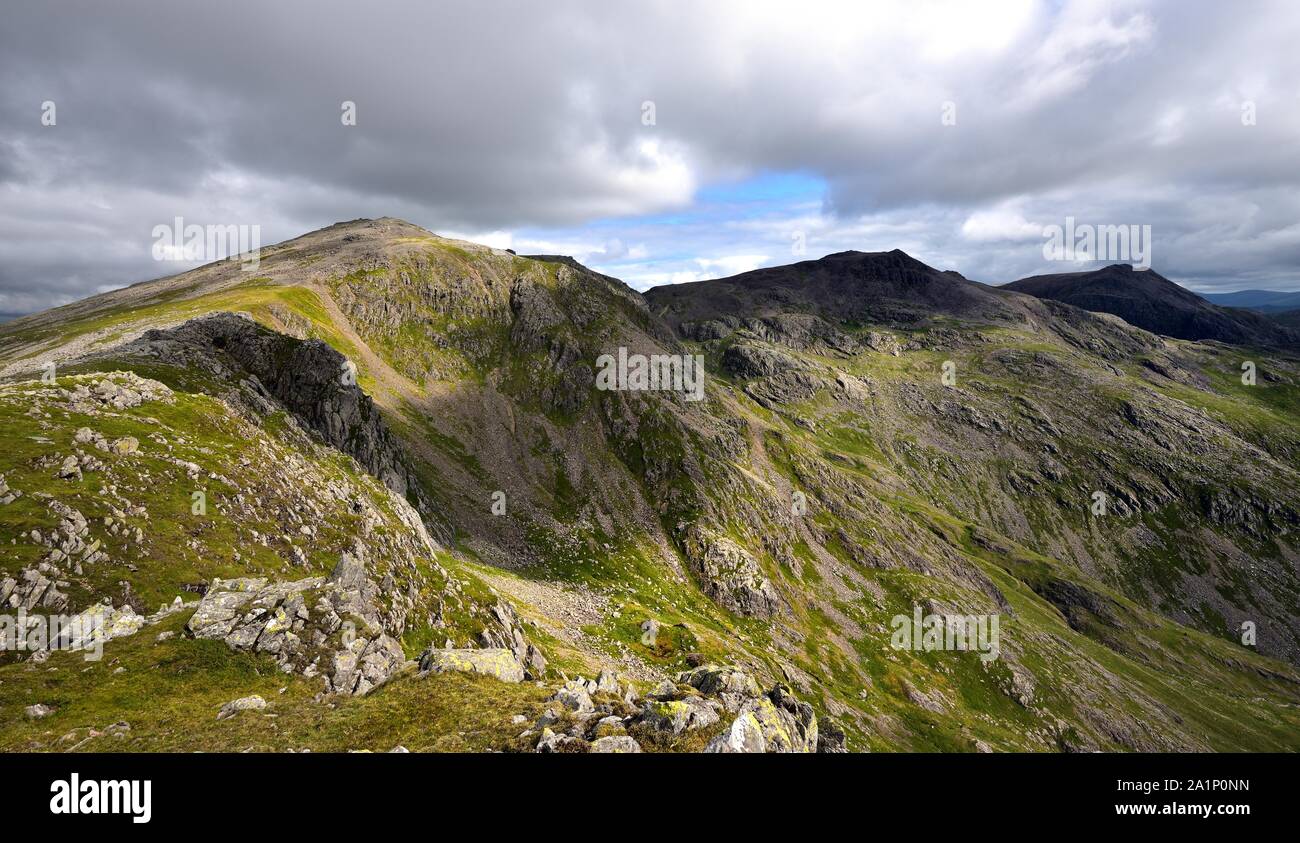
point(850, 286)
point(1148, 300)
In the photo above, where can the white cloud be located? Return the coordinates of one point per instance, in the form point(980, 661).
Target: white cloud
point(1002, 223)
point(495, 239)
point(732, 264)
point(499, 120)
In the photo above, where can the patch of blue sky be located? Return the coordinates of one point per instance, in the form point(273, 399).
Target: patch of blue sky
point(729, 227)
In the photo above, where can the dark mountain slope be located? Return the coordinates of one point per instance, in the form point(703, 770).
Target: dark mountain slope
point(852, 286)
point(1151, 301)
point(820, 302)
point(1290, 318)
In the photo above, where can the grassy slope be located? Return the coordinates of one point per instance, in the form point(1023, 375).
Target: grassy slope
point(170, 692)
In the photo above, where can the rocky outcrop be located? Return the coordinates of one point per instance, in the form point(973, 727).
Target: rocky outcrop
point(496, 662)
point(505, 631)
point(730, 576)
point(775, 722)
point(308, 377)
point(8, 495)
point(32, 589)
point(316, 626)
point(784, 388)
point(347, 627)
point(676, 716)
point(730, 684)
point(747, 360)
point(615, 744)
point(606, 715)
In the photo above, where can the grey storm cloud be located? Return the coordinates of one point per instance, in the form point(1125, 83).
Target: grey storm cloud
point(480, 116)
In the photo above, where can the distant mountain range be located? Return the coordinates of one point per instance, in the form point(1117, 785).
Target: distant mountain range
point(1264, 301)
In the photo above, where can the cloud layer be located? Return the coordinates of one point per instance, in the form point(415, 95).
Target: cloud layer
point(954, 130)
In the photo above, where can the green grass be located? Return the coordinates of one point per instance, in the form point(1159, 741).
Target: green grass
point(170, 693)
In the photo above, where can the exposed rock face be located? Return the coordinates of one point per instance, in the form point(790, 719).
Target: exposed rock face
point(746, 360)
point(830, 740)
point(347, 627)
point(677, 716)
point(575, 696)
point(732, 685)
point(31, 590)
point(308, 377)
point(496, 662)
point(776, 722)
point(731, 576)
point(884, 343)
point(784, 388)
point(507, 632)
point(307, 625)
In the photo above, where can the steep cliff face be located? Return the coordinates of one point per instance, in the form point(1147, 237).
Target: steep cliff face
point(315, 382)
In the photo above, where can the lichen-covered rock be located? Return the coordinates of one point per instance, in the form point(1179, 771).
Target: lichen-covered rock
point(575, 696)
point(608, 726)
point(363, 667)
point(615, 744)
point(233, 707)
point(496, 662)
point(745, 734)
point(507, 632)
point(831, 740)
point(126, 445)
point(776, 722)
point(552, 742)
point(677, 716)
point(347, 627)
point(607, 683)
point(732, 684)
point(32, 590)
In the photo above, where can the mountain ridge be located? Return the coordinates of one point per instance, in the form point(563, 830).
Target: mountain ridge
point(831, 480)
point(1148, 300)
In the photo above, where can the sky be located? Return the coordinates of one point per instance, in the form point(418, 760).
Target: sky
point(658, 142)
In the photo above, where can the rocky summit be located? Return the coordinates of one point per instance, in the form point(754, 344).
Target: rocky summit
point(372, 496)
